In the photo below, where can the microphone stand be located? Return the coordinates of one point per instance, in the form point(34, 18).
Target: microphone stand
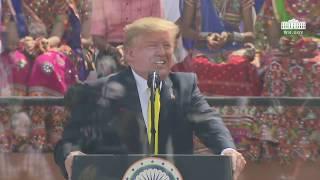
point(153, 130)
point(154, 84)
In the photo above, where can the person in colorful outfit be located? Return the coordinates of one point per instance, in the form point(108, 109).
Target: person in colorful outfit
point(78, 36)
point(274, 12)
point(216, 24)
point(291, 68)
point(108, 20)
point(38, 64)
point(211, 31)
point(291, 62)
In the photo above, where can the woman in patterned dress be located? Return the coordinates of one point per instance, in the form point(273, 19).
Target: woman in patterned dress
point(38, 62)
point(214, 31)
point(291, 68)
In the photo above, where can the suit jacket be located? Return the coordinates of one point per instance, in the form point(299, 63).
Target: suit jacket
point(107, 118)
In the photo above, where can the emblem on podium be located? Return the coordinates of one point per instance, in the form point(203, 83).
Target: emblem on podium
point(152, 168)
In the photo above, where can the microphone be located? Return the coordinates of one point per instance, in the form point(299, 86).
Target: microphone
point(153, 81)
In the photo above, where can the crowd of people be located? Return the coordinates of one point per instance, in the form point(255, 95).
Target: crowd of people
point(236, 48)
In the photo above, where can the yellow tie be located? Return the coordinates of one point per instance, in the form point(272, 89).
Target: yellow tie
point(156, 120)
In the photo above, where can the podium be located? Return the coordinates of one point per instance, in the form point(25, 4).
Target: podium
point(144, 167)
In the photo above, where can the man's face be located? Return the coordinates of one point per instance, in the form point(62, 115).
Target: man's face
point(152, 51)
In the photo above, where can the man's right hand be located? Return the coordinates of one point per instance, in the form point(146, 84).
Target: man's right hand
point(69, 160)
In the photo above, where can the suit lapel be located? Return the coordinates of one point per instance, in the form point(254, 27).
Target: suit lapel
point(131, 100)
point(136, 127)
point(165, 123)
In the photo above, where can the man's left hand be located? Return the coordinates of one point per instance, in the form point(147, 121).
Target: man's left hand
point(238, 161)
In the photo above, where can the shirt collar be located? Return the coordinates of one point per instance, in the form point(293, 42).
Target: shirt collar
point(140, 81)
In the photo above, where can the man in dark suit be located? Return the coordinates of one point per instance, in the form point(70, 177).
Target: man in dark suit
point(110, 115)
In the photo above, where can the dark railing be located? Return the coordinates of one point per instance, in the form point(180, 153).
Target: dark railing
point(213, 101)
point(263, 101)
point(31, 100)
